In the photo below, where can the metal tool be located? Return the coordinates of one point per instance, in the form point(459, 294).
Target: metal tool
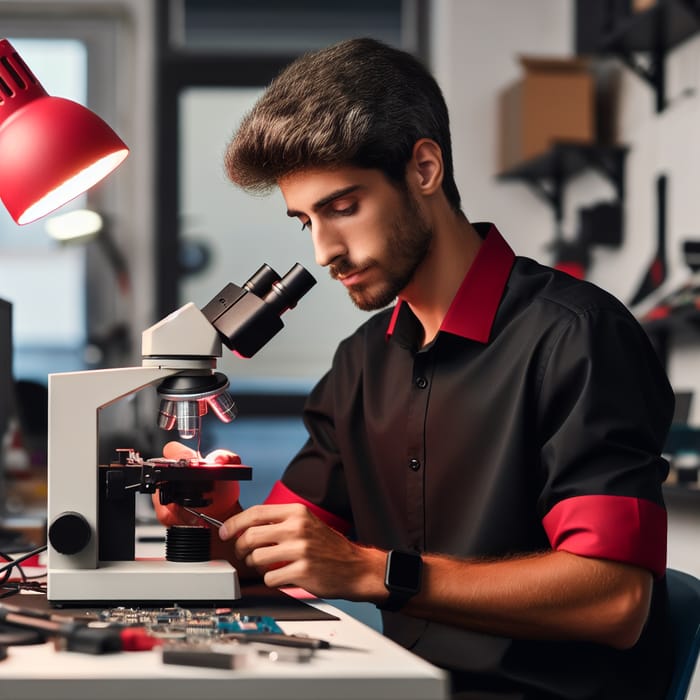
point(204, 516)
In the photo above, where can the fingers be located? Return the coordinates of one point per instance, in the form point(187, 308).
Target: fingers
point(176, 450)
point(223, 457)
point(223, 498)
point(268, 536)
point(258, 515)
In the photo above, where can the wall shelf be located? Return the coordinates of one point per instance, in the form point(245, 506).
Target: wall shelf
point(654, 32)
point(549, 173)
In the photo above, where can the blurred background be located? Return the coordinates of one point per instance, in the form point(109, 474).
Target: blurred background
point(574, 127)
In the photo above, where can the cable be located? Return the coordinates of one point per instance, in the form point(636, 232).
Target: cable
point(11, 563)
point(14, 587)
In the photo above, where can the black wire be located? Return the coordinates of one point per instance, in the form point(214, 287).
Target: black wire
point(15, 587)
point(6, 577)
point(11, 563)
point(9, 589)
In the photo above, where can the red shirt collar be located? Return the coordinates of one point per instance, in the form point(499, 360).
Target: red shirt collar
point(472, 311)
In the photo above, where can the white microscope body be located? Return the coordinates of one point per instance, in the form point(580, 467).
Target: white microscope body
point(182, 342)
point(90, 507)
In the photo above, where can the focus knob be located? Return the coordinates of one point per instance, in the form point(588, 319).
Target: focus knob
point(69, 533)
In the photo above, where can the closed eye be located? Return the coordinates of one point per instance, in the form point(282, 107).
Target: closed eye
point(335, 204)
point(348, 210)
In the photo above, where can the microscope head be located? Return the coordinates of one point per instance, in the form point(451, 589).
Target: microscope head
point(243, 318)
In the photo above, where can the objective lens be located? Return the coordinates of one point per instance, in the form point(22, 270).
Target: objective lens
point(185, 398)
point(223, 406)
point(167, 416)
point(188, 419)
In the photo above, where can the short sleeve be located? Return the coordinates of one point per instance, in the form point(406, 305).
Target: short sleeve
point(604, 412)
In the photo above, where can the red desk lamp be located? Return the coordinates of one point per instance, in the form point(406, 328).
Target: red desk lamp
point(51, 149)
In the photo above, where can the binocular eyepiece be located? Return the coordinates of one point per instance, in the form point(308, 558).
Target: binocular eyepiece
point(248, 317)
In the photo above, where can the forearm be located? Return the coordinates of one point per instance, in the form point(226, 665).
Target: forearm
point(554, 595)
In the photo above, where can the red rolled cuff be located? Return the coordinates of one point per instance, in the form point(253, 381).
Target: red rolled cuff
point(619, 528)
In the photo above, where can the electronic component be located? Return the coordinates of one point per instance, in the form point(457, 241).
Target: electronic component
point(75, 636)
point(231, 654)
point(206, 657)
point(220, 638)
point(182, 623)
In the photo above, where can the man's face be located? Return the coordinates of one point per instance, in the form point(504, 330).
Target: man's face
point(369, 233)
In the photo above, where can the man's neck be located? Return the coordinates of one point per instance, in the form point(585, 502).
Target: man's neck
point(430, 293)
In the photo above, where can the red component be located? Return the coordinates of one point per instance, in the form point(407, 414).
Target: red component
point(657, 312)
point(137, 639)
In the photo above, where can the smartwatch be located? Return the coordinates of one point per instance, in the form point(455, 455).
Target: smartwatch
point(402, 578)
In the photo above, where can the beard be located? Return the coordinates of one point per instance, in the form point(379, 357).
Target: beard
point(407, 245)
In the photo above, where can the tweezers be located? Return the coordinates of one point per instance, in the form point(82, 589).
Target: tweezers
point(204, 516)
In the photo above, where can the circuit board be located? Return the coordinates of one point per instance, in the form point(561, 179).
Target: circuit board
point(177, 623)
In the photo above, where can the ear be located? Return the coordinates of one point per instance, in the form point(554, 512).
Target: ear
point(426, 166)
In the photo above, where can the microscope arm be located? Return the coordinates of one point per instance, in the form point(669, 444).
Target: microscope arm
point(74, 402)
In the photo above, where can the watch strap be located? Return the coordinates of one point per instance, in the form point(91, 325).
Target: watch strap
point(395, 601)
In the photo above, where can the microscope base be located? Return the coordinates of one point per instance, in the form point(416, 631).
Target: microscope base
point(151, 582)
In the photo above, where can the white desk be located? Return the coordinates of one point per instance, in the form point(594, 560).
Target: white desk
point(383, 671)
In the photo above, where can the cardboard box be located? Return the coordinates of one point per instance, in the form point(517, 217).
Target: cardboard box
point(554, 101)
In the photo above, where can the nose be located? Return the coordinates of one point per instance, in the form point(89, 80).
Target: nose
point(328, 244)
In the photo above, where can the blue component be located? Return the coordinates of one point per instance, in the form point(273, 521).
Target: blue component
point(247, 623)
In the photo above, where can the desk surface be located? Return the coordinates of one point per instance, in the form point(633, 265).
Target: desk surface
point(377, 669)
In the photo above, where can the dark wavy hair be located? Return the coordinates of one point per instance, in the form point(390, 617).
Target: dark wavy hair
point(359, 103)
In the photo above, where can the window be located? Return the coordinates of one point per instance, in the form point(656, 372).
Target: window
point(46, 283)
point(216, 58)
point(258, 27)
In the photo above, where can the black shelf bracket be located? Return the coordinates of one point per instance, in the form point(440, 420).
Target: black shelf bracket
point(653, 32)
point(547, 175)
point(654, 74)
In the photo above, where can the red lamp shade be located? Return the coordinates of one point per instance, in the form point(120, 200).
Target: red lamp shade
point(51, 149)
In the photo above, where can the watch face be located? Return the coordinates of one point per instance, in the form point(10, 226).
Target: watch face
point(403, 571)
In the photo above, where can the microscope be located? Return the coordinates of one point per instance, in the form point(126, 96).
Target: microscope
point(91, 507)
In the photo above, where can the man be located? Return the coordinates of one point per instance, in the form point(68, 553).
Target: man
point(491, 444)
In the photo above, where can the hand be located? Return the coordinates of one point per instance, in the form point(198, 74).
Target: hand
point(291, 546)
point(224, 497)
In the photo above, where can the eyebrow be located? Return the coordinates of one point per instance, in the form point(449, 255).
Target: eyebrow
point(325, 200)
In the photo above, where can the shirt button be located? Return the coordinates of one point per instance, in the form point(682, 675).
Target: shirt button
point(414, 464)
point(421, 382)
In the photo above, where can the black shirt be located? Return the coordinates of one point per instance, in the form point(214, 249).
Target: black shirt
point(533, 421)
